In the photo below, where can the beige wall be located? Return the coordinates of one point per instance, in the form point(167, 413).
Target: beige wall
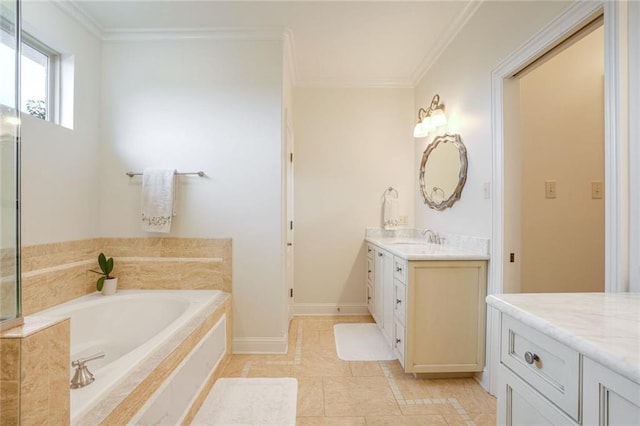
point(562, 123)
point(351, 145)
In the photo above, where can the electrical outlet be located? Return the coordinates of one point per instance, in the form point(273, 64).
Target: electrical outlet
point(550, 189)
point(487, 190)
point(597, 190)
point(402, 220)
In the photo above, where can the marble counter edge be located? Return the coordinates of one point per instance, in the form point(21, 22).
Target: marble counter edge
point(568, 338)
point(462, 254)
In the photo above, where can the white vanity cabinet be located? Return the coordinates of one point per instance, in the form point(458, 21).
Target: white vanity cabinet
point(383, 291)
point(609, 398)
point(546, 372)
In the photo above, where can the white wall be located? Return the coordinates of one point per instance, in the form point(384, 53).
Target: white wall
point(462, 78)
point(563, 142)
point(60, 185)
point(351, 145)
point(210, 105)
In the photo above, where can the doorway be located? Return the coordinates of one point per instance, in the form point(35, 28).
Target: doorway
point(554, 166)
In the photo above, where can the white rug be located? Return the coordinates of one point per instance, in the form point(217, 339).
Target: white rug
point(250, 402)
point(361, 342)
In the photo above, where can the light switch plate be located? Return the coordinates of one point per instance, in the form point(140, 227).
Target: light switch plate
point(550, 189)
point(597, 189)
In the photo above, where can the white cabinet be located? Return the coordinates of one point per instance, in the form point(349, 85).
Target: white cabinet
point(371, 301)
point(609, 398)
point(543, 381)
point(383, 292)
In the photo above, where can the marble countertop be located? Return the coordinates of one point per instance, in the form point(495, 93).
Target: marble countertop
point(604, 327)
point(419, 249)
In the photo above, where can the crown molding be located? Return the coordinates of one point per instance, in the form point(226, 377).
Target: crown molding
point(359, 84)
point(76, 12)
point(445, 40)
point(218, 33)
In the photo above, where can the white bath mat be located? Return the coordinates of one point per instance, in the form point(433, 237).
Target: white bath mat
point(254, 401)
point(361, 342)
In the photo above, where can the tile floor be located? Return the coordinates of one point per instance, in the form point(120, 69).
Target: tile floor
point(336, 392)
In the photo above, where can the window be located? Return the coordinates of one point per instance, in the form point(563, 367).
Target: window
point(39, 74)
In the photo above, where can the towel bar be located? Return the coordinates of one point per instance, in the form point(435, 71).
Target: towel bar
point(200, 173)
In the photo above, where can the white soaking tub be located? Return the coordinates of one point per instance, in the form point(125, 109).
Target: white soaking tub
point(130, 327)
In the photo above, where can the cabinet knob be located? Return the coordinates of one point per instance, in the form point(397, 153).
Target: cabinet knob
point(531, 357)
point(369, 270)
point(398, 269)
point(379, 254)
point(398, 340)
point(368, 250)
point(368, 297)
point(398, 301)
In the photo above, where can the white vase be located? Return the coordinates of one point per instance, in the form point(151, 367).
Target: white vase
point(110, 286)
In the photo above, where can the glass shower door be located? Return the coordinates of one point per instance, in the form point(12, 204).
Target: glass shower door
point(10, 309)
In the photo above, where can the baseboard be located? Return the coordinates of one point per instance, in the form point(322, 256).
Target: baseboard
point(260, 345)
point(330, 309)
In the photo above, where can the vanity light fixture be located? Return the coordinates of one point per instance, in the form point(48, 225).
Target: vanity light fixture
point(430, 118)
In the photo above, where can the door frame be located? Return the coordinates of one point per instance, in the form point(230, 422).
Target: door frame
point(616, 240)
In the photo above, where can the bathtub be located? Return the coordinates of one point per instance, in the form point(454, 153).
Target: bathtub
point(135, 329)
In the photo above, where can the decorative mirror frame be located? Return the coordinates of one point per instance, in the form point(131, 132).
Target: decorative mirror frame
point(462, 176)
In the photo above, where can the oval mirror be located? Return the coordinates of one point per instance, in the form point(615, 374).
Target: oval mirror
point(443, 171)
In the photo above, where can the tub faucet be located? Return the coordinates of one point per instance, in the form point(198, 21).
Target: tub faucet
point(83, 376)
point(432, 236)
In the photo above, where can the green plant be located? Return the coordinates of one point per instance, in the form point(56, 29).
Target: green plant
point(106, 266)
point(37, 108)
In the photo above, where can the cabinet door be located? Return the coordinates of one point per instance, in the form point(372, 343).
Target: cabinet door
point(387, 299)
point(520, 405)
point(378, 282)
point(445, 316)
point(609, 399)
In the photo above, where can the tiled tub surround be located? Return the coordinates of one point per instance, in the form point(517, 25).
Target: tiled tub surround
point(34, 373)
point(58, 272)
point(466, 247)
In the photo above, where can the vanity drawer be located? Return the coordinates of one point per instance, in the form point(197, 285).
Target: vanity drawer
point(399, 301)
point(550, 367)
point(371, 300)
point(369, 251)
point(398, 341)
point(400, 269)
point(370, 269)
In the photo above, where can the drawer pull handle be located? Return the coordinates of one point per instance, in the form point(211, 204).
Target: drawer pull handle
point(398, 340)
point(369, 270)
point(368, 250)
point(531, 357)
point(398, 301)
point(398, 269)
point(368, 297)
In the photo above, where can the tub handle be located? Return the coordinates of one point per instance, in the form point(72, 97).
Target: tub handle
point(83, 376)
point(81, 361)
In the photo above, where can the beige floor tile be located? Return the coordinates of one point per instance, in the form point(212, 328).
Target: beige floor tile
point(428, 409)
point(336, 392)
point(434, 420)
point(320, 364)
point(359, 396)
point(261, 369)
point(310, 397)
point(365, 368)
point(330, 421)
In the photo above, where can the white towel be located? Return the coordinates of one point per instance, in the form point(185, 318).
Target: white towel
point(390, 217)
point(158, 199)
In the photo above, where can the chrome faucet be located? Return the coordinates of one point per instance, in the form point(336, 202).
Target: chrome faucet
point(433, 238)
point(83, 376)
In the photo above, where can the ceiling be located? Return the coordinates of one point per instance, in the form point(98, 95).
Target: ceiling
point(348, 43)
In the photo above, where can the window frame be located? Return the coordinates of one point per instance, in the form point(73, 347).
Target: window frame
point(54, 74)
